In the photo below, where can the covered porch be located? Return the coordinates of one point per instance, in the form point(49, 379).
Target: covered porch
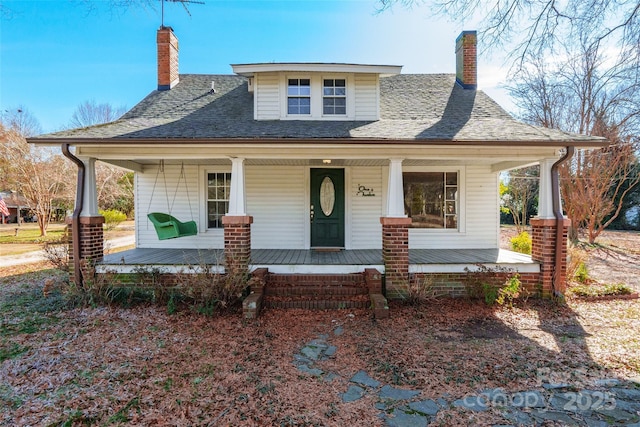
point(295, 261)
point(266, 217)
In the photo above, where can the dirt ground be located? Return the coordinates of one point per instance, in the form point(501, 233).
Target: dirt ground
point(140, 365)
point(615, 258)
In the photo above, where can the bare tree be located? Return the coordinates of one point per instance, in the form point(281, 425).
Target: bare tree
point(593, 184)
point(114, 188)
point(519, 192)
point(36, 173)
point(109, 179)
point(537, 26)
point(588, 94)
point(91, 113)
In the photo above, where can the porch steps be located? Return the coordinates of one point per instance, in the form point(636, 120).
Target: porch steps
point(316, 291)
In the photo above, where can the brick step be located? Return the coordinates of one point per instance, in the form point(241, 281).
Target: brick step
point(316, 291)
point(283, 280)
point(360, 301)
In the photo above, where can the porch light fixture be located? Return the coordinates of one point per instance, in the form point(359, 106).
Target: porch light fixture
point(327, 161)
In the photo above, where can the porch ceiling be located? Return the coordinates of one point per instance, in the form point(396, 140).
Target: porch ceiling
point(497, 164)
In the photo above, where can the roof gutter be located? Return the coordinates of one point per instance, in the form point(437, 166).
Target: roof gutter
point(275, 142)
point(75, 217)
point(557, 212)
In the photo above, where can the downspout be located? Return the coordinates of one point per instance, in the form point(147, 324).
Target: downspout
point(75, 218)
point(557, 212)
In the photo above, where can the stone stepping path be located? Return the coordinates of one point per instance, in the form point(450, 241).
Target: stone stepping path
point(616, 403)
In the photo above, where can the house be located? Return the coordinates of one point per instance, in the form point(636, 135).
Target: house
point(325, 168)
point(15, 203)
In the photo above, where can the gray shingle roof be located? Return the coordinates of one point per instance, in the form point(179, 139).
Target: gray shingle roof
point(413, 107)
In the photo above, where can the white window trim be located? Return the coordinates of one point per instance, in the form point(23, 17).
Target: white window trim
point(202, 203)
point(462, 199)
point(346, 96)
point(287, 96)
point(316, 81)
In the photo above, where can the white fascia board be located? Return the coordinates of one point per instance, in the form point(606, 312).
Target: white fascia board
point(249, 70)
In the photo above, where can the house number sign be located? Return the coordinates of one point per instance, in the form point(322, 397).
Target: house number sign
point(365, 192)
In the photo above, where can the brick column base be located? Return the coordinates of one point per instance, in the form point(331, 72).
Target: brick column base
point(543, 250)
point(91, 245)
point(237, 243)
point(395, 254)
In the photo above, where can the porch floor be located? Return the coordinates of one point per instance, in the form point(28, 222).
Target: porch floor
point(318, 262)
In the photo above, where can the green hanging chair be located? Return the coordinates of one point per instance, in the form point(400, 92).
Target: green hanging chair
point(168, 227)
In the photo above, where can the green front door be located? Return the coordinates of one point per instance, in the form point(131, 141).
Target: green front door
point(327, 208)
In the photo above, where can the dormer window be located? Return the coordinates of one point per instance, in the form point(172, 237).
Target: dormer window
point(315, 91)
point(334, 97)
point(299, 96)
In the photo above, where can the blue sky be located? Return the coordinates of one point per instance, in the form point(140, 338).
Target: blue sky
point(56, 54)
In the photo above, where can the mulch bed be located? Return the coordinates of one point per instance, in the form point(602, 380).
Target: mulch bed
point(141, 366)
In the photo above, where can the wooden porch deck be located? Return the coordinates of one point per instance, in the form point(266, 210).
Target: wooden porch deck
point(317, 262)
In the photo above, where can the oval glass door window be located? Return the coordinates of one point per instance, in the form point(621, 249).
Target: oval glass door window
point(327, 196)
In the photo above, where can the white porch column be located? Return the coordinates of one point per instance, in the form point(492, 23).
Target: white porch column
point(545, 197)
point(395, 191)
point(90, 201)
point(237, 198)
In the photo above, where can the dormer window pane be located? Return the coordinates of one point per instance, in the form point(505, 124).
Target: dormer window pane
point(299, 96)
point(334, 100)
point(334, 105)
point(299, 105)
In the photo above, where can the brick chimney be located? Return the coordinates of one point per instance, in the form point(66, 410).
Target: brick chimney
point(168, 75)
point(467, 60)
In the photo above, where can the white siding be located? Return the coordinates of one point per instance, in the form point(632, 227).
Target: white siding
point(267, 93)
point(276, 200)
point(146, 236)
point(366, 95)
point(481, 216)
point(366, 230)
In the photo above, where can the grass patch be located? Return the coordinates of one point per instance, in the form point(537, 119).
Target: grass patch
point(122, 415)
point(9, 350)
point(31, 234)
point(601, 290)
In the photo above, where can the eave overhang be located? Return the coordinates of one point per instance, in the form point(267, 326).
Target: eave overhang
point(249, 70)
point(587, 142)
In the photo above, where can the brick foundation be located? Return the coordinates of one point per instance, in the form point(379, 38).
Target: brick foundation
point(457, 285)
point(543, 250)
point(237, 242)
point(395, 254)
point(91, 245)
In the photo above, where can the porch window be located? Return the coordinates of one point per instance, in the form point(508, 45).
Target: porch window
point(431, 199)
point(299, 96)
point(334, 97)
point(218, 189)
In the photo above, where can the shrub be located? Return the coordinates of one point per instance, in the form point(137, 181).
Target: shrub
point(522, 243)
point(112, 218)
point(207, 291)
point(495, 285)
point(576, 262)
point(57, 253)
point(490, 292)
point(581, 274)
point(511, 290)
point(599, 291)
point(420, 291)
